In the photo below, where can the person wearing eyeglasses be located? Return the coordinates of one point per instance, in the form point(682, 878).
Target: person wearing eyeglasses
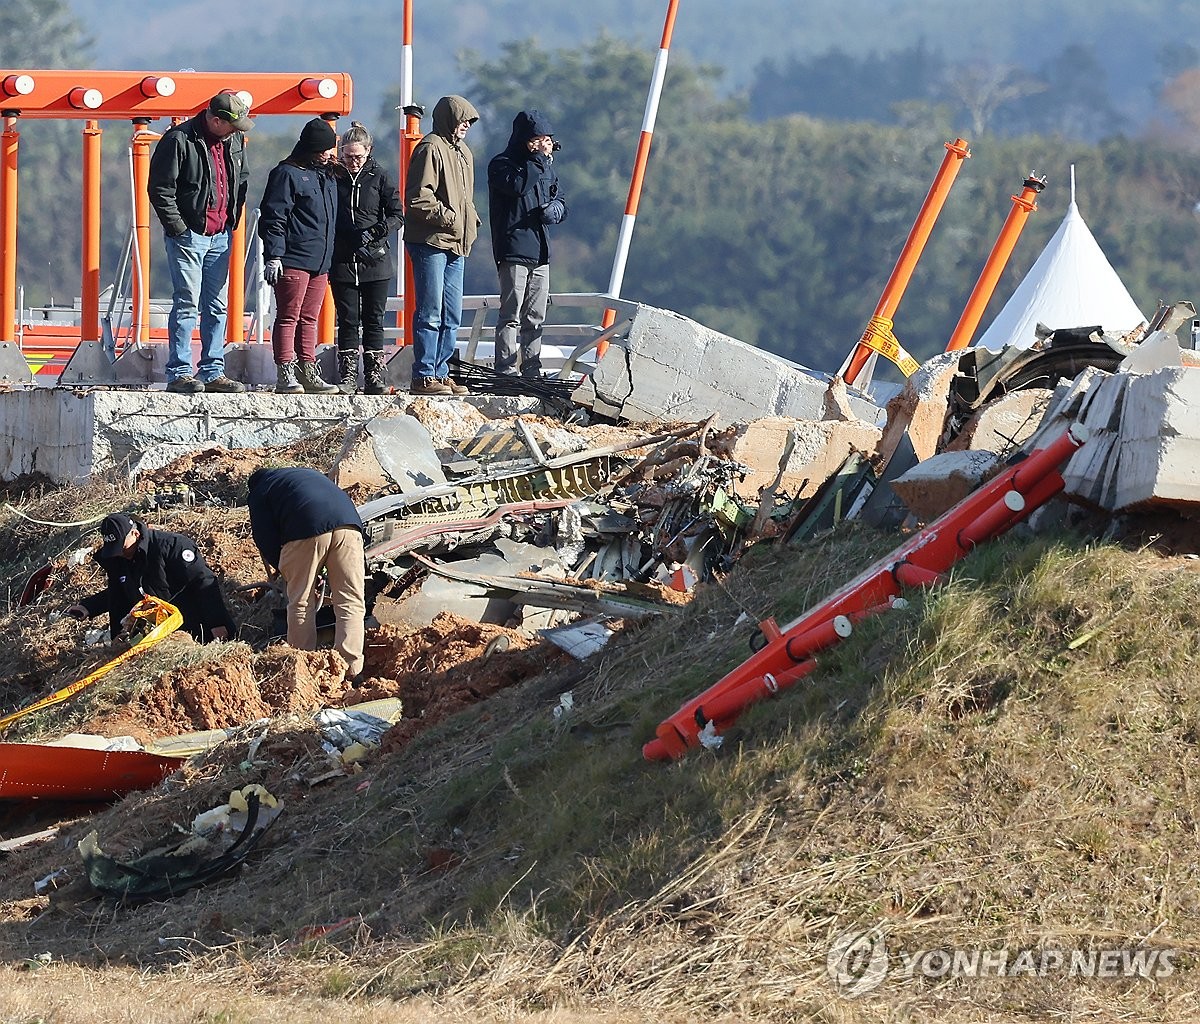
point(369, 213)
point(440, 226)
point(197, 186)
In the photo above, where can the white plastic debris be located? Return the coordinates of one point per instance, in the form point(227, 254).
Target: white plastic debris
point(49, 882)
point(96, 637)
point(343, 728)
point(566, 704)
point(78, 557)
point(708, 737)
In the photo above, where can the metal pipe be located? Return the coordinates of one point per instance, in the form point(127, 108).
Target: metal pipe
point(235, 300)
point(641, 159)
point(139, 155)
point(9, 144)
point(956, 152)
point(410, 135)
point(1023, 206)
point(89, 288)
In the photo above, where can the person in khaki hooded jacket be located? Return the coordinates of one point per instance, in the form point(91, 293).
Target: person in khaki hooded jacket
point(440, 226)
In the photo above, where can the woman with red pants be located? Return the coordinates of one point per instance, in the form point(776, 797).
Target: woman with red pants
point(297, 219)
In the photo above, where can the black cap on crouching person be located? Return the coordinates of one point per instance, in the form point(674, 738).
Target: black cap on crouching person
point(114, 530)
point(229, 107)
point(317, 136)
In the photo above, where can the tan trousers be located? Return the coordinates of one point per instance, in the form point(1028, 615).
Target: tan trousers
point(341, 554)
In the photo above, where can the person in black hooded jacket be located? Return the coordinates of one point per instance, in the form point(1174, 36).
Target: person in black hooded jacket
point(369, 213)
point(169, 566)
point(524, 199)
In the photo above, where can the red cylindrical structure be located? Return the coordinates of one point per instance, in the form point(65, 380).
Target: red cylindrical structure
point(140, 145)
point(991, 521)
point(89, 317)
point(327, 322)
point(1023, 206)
point(919, 561)
point(9, 145)
point(235, 302)
point(956, 152)
point(819, 637)
point(728, 705)
point(410, 135)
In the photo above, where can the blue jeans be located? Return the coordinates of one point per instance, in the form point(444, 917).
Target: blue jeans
point(199, 266)
point(438, 281)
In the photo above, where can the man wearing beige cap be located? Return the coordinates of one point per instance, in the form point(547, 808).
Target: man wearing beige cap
point(198, 179)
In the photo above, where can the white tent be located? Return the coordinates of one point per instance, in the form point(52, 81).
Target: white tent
point(1072, 284)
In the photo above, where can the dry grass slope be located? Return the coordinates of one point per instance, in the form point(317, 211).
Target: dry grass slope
point(1009, 763)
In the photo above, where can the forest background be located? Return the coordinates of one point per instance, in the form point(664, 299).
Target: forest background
point(792, 151)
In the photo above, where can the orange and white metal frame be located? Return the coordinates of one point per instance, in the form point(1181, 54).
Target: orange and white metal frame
point(140, 97)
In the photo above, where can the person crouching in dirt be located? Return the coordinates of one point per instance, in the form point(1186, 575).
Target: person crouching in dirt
point(169, 566)
point(302, 522)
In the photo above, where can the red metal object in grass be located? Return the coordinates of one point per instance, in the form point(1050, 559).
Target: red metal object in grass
point(920, 561)
point(36, 770)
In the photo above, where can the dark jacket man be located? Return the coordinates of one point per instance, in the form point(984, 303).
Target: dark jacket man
point(181, 184)
point(164, 565)
point(295, 503)
point(369, 212)
point(524, 195)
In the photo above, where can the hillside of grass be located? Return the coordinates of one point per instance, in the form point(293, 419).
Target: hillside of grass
point(1008, 764)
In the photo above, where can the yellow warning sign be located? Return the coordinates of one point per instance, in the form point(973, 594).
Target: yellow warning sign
point(878, 337)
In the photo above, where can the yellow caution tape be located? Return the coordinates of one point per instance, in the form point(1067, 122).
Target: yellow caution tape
point(878, 337)
point(162, 618)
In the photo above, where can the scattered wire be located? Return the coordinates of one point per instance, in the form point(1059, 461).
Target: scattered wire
point(43, 522)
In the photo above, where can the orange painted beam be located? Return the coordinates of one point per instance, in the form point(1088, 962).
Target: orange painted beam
point(89, 94)
point(1023, 206)
point(956, 152)
point(89, 322)
point(9, 144)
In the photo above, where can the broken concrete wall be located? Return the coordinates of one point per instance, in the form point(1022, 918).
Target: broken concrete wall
point(1160, 440)
point(920, 408)
point(1144, 445)
point(71, 435)
point(940, 482)
point(668, 367)
point(820, 449)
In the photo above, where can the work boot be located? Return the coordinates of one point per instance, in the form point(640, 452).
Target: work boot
point(285, 379)
point(223, 385)
point(430, 386)
point(375, 370)
point(186, 385)
point(455, 388)
point(310, 380)
point(348, 368)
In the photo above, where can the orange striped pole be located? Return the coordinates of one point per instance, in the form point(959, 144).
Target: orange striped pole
point(956, 152)
point(639, 168)
point(410, 135)
point(1023, 206)
point(9, 144)
point(140, 147)
point(89, 287)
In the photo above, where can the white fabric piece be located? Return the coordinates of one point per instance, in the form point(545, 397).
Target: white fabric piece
point(1071, 284)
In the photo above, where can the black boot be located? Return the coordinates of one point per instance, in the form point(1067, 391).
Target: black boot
point(348, 368)
point(375, 370)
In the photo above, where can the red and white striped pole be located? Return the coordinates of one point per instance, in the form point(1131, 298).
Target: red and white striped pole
point(410, 135)
point(639, 168)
